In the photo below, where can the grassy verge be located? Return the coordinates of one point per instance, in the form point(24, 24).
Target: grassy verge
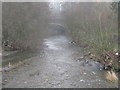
point(102, 46)
point(94, 27)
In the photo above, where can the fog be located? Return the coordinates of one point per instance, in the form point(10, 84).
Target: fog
point(60, 44)
point(25, 24)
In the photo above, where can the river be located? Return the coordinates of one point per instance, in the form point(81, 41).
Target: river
point(57, 67)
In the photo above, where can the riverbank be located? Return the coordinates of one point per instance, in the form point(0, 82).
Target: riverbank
point(57, 67)
point(106, 58)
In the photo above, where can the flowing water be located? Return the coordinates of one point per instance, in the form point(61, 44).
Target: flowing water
point(56, 66)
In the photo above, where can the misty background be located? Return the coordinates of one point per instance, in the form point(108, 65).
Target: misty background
point(92, 25)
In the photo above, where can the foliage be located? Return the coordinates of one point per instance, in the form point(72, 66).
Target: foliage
point(23, 24)
point(93, 25)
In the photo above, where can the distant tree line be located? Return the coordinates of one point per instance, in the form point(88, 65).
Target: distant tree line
point(23, 24)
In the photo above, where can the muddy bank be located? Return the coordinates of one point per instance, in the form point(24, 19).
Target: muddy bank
point(12, 59)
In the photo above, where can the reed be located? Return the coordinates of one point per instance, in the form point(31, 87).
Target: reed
point(111, 76)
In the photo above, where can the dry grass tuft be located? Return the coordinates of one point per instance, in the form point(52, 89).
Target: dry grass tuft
point(111, 76)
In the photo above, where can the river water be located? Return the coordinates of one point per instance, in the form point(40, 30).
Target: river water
point(56, 66)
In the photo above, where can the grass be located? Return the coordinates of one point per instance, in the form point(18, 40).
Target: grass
point(17, 57)
point(96, 41)
point(95, 27)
